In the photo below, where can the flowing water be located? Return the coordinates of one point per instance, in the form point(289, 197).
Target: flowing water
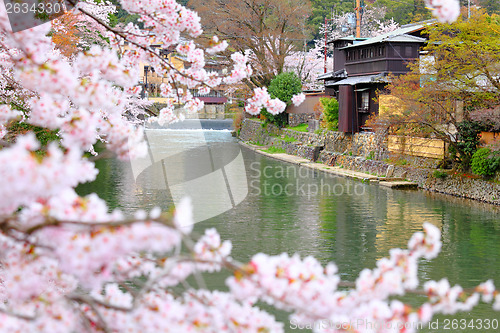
point(298, 210)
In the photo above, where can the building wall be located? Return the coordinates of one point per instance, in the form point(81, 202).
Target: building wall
point(391, 57)
point(308, 105)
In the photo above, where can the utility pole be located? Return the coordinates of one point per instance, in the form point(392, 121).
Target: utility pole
point(326, 38)
point(358, 18)
point(468, 9)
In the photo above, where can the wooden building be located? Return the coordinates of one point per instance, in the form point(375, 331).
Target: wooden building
point(361, 66)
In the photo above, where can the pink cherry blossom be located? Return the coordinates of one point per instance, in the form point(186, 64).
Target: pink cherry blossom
point(298, 99)
point(262, 99)
point(218, 46)
point(69, 264)
point(445, 10)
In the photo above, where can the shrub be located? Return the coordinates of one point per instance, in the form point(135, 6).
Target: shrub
point(468, 141)
point(439, 174)
point(330, 112)
point(45, 136)
point(283, 86)
point(485, 162)
point(238, 121)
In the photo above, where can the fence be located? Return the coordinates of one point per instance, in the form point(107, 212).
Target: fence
point(413, 146)
point(490, 138)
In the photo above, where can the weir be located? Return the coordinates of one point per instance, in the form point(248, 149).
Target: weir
point(191, 124)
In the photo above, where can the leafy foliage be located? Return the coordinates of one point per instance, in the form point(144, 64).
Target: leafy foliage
point(485, 162)
point(238, 121)
point(283, 87)
point(491, 6)
point(466, 56)
point(43, 135)
point(66, 40)
point(469, 137)
point(122, 17)
point(439, 174)
point(330, 112)
point(405, 12)
point(457, 77)
point(325, 8)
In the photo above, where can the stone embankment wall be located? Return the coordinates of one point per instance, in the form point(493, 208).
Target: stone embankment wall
point(368, 153)
point(295, 119)
point(359, 144)
point(454, 184)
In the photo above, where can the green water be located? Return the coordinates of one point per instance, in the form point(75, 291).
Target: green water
point(350, 223)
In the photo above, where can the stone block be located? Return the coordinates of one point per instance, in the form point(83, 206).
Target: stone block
point(390, 171)
point(313, 125)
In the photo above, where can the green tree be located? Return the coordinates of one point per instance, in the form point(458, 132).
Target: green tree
point(460, 74)
point(469, 137)
point(467, 58)
point(404, 12)
point(491, 6)
point(283, 87)
point(122, 16)
point(322, 9)
point(330, 112)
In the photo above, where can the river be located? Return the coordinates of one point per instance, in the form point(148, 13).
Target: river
point(298, 210)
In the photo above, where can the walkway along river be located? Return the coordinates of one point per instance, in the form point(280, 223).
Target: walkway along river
point(297, 210)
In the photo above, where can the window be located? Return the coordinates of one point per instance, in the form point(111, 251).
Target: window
point(365, 100)
point(350, 55)
point(408, 51)
point(381, 51)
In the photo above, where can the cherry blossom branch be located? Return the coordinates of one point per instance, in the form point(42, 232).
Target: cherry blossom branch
point(124, 34)
point(91, 302)
point(81, 298)
point(52, 222)
point(17, 315)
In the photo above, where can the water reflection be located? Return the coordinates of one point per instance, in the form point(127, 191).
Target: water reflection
point(286, 211)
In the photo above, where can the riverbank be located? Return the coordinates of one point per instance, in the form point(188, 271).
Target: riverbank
point(391, 182)
point(364, 156)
